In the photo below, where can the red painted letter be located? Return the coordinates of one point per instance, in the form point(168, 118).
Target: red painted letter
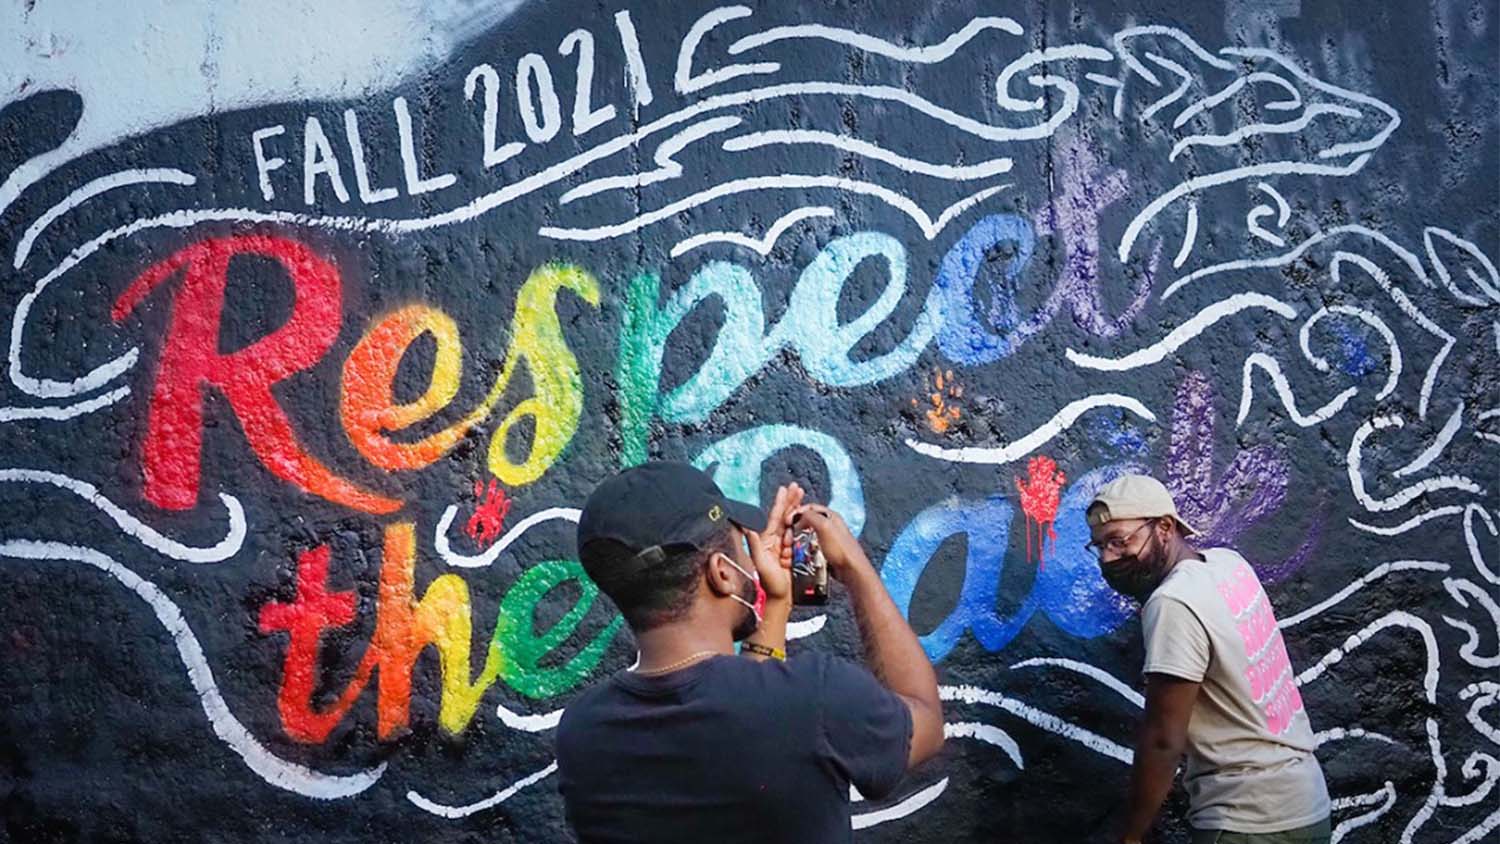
point(314, 610)
point(190, 360)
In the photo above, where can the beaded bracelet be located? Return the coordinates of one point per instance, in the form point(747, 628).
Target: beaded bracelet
point(762, 650)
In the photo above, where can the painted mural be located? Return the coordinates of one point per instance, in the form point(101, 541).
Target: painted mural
point(319, 327)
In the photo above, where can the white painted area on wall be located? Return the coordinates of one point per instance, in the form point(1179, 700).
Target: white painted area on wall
point(149, 63)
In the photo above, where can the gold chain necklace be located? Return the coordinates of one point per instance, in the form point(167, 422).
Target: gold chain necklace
point(681, 663)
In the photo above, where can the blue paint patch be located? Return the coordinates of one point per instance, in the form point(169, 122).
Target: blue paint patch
point(1116, 432)
point(1357, 361)
point(1068, 588)
point(962, 336)
point(738, 462)
point(987, 524)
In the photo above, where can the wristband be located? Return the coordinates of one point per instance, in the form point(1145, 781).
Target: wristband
point(762, 650)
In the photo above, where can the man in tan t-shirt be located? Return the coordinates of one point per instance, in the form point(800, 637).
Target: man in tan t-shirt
point(1219, 684)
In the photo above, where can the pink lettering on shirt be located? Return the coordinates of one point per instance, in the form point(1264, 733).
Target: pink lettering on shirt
point(1268, 672)
point(1241, 590)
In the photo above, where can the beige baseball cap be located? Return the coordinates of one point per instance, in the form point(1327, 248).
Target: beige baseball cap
point(1134, 497)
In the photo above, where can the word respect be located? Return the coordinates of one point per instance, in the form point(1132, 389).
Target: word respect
point(368, 410)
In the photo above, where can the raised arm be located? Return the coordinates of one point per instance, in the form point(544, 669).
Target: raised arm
point(891, 648)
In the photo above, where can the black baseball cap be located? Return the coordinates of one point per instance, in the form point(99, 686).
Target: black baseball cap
point(658, 504)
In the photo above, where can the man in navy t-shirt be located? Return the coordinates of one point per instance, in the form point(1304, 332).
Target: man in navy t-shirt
point(696, 744)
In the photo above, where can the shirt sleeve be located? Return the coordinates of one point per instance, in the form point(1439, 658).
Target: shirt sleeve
point(866, 728)
point(1176, 640)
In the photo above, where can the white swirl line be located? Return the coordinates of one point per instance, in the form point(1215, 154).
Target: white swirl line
point(492, 553)
point(1485, 694)
point(1457, 588)
point(1176, 94)
point(930, 227)
point(667, 167)
point(222, 550)
point(1472, 540)
point(1396, 530)
point(1487, 287)
point(922, 55)
point(1110, 680)
point(271, 768)
point(504, 794)
point(905, 807)
point(1233, 88)
point(1199, 184)
point(1272, 367)
point(1179, 336)
point(61, 413)
point(1395, 618)
point(1252, 223)
point(1295, 253)
point(1321, 364)
point(684, 80)
point(529, 723)
point(1373, 575)
point(988, 733)
point(91, 189)
point(1045, 720)
point(1344, 734)
point(806, 627)
point(1288, 127)
point(1284, 211)
point(1189, 238)
point(1337, 149)
point(1048, 57)
point(763, 245)
point(1386, 793)
point(1059, 422)
point(1406, 495)
point(1340, 258)
point(1177, 35)
point(787, 137)
point(1480, 830)
point(1440, 442)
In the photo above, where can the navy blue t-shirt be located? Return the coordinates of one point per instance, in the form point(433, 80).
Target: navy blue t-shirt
point(730, 749)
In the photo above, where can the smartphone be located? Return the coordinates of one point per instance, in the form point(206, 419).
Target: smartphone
point(809, 569)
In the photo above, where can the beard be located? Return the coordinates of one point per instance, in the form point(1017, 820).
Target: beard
point(748, 623)
point(1137, 575)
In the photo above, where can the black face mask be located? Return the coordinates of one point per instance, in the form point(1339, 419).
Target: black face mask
point(1136, 575)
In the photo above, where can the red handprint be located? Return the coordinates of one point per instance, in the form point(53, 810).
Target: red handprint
point(1040, 495)
point(488, 520)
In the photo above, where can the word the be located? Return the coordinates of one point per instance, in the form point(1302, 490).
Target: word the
point(405, 626)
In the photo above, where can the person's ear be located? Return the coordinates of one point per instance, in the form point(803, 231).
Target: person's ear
point(720, 575)
point(1163, 530)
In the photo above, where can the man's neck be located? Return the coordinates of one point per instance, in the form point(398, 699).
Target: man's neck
point(671, 643)
point(1178, 551)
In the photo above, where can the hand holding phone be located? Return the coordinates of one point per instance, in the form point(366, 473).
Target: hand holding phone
point(809, 568)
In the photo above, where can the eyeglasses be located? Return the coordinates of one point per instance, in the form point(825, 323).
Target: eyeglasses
point(1117, 544)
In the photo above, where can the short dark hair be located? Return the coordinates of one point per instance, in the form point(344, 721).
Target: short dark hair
point(658, 593)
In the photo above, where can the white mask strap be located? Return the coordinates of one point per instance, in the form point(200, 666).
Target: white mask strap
point(754, 578)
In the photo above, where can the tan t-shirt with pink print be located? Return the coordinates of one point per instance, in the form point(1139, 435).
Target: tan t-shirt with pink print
point(1250, 765)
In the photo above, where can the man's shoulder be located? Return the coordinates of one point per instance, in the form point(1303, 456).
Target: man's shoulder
point(804, 681)
point(1193, 581)
point(580, 710)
